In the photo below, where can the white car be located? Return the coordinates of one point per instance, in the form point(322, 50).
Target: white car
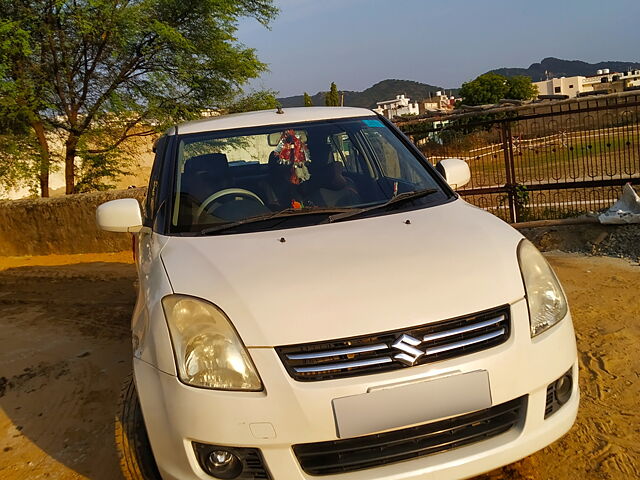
point(315, 301)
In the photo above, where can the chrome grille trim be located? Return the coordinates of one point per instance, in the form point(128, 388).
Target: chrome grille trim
point(340, 366)
point(334, 353)
point(456, 331)
point(464, 343)
point(402, 348)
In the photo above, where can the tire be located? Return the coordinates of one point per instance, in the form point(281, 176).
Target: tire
point(132, 442)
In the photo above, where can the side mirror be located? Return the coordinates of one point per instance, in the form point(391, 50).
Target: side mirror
point(122, 215)
point(455, 171)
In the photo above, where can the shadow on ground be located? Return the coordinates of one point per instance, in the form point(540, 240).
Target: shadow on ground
point(64, 351)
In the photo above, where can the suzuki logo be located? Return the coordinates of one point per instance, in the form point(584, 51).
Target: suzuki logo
point(407, 344)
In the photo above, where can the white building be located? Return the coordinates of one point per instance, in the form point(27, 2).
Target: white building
point(603, 80)
point(569, 86)
point(439, 103)
point(611, 81)
point(401, 105)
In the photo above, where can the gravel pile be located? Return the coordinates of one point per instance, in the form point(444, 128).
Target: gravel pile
point(592, 239)
point(623, 241)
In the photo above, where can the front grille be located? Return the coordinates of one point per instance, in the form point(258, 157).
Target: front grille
point(396, 349)
point(341, 456)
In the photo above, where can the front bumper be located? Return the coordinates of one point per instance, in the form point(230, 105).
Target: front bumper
point(289, 413)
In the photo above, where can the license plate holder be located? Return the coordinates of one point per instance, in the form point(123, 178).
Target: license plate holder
point(410, 404)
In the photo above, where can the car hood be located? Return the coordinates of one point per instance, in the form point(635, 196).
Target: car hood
point(351, 278)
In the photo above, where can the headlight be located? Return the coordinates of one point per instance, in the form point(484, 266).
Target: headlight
point(547, 303)
point(208, 351)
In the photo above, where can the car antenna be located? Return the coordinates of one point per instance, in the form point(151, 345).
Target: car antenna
point(279, 110)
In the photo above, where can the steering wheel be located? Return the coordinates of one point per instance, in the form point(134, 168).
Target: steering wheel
point(223, 193)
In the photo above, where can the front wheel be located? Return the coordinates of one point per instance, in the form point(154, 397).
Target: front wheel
point(132, 442)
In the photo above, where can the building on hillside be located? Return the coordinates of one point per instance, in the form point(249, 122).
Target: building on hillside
point(612, 82)
point(569, 86)
point(603, 81)
point(401, 105)
point(439, 103)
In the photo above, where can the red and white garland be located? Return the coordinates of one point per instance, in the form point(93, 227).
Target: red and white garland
point(293, 151)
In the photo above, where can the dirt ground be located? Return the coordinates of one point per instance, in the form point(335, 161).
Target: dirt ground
point(65, 348)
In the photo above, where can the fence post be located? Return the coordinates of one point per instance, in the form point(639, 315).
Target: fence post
point(507, 148)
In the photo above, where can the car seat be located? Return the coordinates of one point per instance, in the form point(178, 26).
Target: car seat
point(203, 175)
point(206, 174)
point(278, 190)
point(332, 188)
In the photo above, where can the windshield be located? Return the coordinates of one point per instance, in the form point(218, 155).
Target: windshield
point(303, 171)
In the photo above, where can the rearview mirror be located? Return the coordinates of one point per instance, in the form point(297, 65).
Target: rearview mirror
point(455, 171)
point(274, 138)
point(122, 215)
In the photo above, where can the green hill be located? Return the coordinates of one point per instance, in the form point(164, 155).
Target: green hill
point(384, 90)
point(388, 89)
point(556, 67)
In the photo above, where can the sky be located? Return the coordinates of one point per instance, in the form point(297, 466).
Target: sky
point(357, 43)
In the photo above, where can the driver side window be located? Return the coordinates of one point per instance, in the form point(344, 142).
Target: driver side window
point(394, 161)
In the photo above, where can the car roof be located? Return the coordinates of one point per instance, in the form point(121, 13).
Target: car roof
point(268, 117)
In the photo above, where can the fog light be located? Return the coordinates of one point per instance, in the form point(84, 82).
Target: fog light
point(223, 464)
point(558, 393)
point(220, 458)
point(563, 388)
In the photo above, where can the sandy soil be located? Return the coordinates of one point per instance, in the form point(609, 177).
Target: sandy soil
point(64, 349)
point(605, 441)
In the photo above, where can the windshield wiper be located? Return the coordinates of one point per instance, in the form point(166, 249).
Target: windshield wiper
point(288, 212)
point(398, 199)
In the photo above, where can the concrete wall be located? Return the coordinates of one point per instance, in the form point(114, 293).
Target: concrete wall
point(60, 225)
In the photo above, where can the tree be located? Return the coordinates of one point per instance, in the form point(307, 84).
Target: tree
point(20, 96)
point(19, 162)
point(490, 88)
point(521, 88)
point(332, 98)
point(105, 71)
point(307, 100)
point(487, 88)
point(260, 100)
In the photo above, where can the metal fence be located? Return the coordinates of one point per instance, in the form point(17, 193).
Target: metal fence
point(545, 160)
